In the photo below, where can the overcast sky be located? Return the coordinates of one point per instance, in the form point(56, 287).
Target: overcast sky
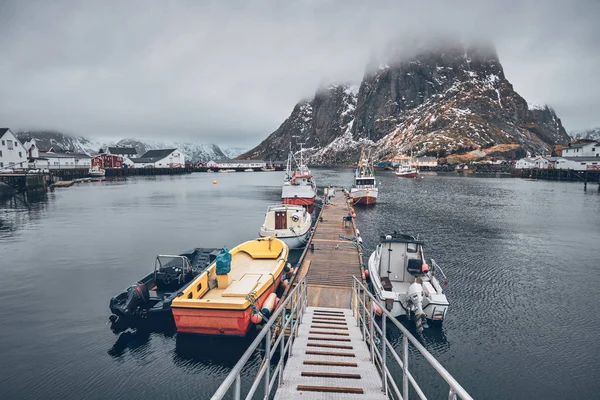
point(229, 72)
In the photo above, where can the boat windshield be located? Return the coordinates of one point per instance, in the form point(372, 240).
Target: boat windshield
point(164, 262)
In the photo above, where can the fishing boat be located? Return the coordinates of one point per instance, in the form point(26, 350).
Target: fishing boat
point(148, 301)
point(227, 170)
point(268, 168)
point(364, 190)
point(299, 186)
point(403, 282)
point(407, 170)
point(289, 223)
point(96, 171)
point(234, 292)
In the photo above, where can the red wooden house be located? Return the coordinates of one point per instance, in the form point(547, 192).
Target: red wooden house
point(107, 161)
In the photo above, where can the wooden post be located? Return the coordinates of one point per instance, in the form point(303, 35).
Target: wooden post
point(585, 181)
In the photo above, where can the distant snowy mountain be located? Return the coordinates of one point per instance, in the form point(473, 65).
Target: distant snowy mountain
point(79, 144)
point(233, 152)
point(592, 134)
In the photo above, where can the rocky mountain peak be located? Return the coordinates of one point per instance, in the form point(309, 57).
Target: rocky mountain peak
point(436, 97)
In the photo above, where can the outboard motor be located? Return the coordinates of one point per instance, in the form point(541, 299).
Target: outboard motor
point(415, 304)
point(136, 297)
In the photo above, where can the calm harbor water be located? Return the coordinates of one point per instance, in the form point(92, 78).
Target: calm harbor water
point(522, 258)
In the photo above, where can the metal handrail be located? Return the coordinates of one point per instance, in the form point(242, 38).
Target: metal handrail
point(297, 300)
point(362, 307)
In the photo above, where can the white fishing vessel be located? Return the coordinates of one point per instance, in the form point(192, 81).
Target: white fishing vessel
point(290, 223)
point(364, 190)
point(299, 187)
point(403, 283)
point(96, 171)
point(407, 170)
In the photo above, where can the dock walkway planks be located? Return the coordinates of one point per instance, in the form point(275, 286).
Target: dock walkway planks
point(334, 261)
point(333, 373)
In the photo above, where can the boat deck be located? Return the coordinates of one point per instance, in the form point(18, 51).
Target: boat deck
point(331, 262)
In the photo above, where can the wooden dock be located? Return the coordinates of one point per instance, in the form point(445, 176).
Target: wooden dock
point(331, 260)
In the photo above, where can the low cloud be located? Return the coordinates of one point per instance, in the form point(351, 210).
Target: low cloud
point(231, 72)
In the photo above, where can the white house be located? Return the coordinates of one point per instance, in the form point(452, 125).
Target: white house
point(12, 153)
point(525, 163)
point(167, 158)
point(426, 162)
point(31, 147)
point(52, 160)
point(578, 163)
point(546, 162)
point(587, 149)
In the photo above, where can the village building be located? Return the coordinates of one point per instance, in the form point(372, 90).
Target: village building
point(525, 163)
point(166, 158)
point(125, 152)
point(236, 164)
point(426, 162)
point(57, 160)
point(578, 163)
point(106, 161)
point(582, 149)
point(12, 153)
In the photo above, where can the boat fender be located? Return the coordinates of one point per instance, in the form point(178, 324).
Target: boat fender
point(269, 305)
point(424, 268)
point(256, 318)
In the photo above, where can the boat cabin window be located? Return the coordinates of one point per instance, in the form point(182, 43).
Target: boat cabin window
point(365, 181)
point(411, 247)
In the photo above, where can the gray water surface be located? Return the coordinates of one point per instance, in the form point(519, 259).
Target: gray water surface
point(522, 259)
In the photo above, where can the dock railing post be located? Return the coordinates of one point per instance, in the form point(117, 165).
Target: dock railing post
point(238, 387)
point(371, 333)
point(404, 367)
point(282, 347)
point(268, 362)
point(383, 353)
point(364, 316)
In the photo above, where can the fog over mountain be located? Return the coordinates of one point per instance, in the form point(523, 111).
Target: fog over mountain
point(230, 72)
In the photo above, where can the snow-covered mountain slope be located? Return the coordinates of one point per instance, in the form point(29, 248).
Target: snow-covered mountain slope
point(193, 151)
point(448, 99)
point(591, 134)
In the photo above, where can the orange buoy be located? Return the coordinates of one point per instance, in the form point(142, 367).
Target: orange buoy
point(376, 309)
point(256, 318)
point(214, 182)
point(269, 305)
point(424, 268)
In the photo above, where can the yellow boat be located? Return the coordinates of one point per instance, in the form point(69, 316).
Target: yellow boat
point(217, 305)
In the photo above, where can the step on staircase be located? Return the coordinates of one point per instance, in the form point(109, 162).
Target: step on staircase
point(330, 360)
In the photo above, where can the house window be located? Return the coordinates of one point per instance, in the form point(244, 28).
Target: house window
point(0, 153)
point(1, 164)
point(593, 149)
point(3, 143)
point(9, 144)
point(20, 154)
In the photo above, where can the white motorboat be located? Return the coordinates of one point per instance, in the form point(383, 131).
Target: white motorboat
point(364, 191)
point(248, 170)
point(407, 170)
point(290, 223)
point(299, 186)
point(96, 171)
point(227, 170)
point(403, 283)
